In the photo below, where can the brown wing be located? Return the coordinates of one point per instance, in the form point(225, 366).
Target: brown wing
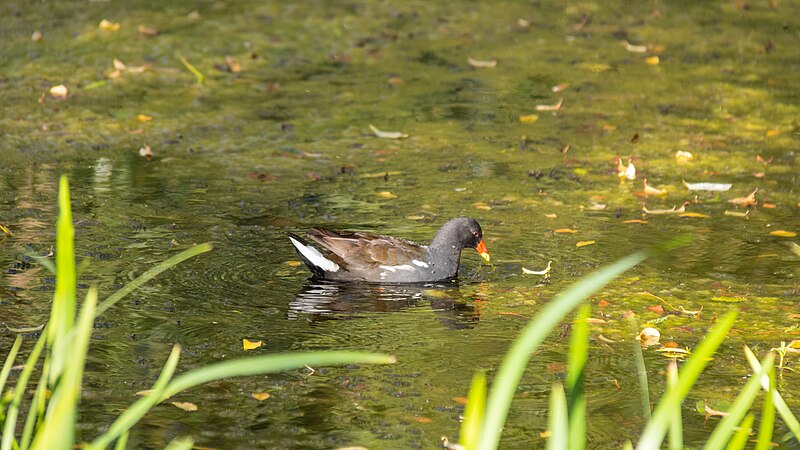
point(365, 249)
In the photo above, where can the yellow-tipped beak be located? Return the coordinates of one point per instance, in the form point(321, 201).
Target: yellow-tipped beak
point(483, 251)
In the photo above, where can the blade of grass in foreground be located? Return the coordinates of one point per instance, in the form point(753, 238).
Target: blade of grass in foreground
point(576, 373)
point(135, 412)
point(241, 367)
point(739, 440)
point(152, 273)
point(780, 404)
point(12, 355)
point(641, 370)
point(724, 430)
point(557, 419)
point(474, 413)
point(516, 359)
point(767, 425)
point(676, 425)
point(10, 421)
point(653, 434)
point(62, 314)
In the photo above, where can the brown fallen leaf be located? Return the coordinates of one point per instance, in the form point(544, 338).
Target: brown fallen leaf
point(231, 65)
point(768, 205)
point(37, 36)
point(147, 31)
point(658, 309)
point(559, 87)
point(761, 159)
point(186, 406)
point(421, 419)
point(750, 200)
point(509, 313)
point(489, 64)
point(146, 153)
point(460, 400)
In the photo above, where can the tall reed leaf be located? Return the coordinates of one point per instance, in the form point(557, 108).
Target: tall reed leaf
point(62, 315)
point(780, 404)
point(725, 429)
point(576, 373)
point(767, 425)
point(516, 359)
point(558, 420)
point(474, 413)
point(653, 434)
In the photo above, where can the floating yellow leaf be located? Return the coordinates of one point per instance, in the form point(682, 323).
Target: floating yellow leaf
point(683, 157)
point(260, 396)
point(649, 190)
point(482, 206)
point(5, 230)
point(695, 215)
point(387, 134)
point(250, 345)
point(773, 133)
point(186, 406)
point(635, 48)
point(490, 64)
point(584, 243)
point(37, 36)
point(293, 263)
point(107, 25)
point(147, 31)
point(635, 221)
point(144, 393)
point(565, 230)
point(385, 194)
point(143, 118)
point(551, 216)
point(653, 60)
point(559, 87)
point(783, 233)
point(59, 92)
point(380, 174)
point(529, 118)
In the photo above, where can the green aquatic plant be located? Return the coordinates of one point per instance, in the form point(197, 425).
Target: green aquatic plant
point(64, 343)
point(484, 417)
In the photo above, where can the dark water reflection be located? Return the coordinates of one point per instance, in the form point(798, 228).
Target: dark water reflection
point(325, 300)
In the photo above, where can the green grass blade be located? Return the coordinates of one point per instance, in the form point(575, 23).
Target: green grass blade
point(240, 367)
point(576, 373)
point(474, 412)
point(136, 411)
point(656, 428)
point(199, 77)
point(9, 362)
point(151, 273)
point(185, 443)
point(516, 359)
point(58, 429)
point(676, 419)
point(62, 315)
point(122, 442)
point(742, 434)
point(269, 364)
point(37, 408)
point(558, 420)
point(780, 405)
point(10, 423)
point(767, 422)
point(641, 369)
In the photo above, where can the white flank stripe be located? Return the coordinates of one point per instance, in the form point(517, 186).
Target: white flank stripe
point(396, 268)
point(314, 256)
point(419, 263)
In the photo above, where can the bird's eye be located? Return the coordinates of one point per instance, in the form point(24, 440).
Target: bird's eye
point(475, 233)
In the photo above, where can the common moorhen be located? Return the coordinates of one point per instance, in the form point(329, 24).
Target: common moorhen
point(356, 256)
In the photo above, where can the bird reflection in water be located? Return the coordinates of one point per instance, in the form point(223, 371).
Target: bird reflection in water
point(329, 300)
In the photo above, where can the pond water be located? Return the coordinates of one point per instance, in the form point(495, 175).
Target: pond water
point(282, 143)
